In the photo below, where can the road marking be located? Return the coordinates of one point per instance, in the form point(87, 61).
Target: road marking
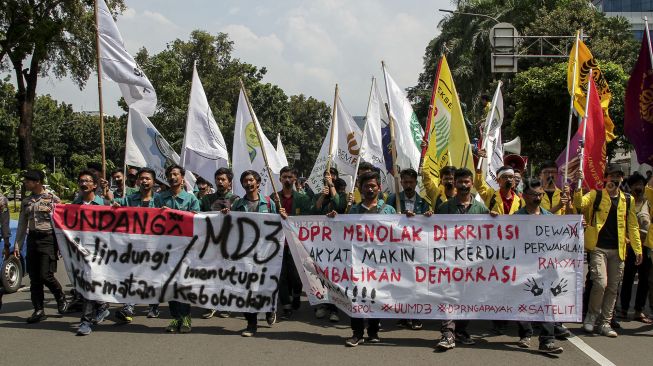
point(591, 352)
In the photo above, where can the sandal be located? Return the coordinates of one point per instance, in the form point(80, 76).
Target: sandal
point(641, 317)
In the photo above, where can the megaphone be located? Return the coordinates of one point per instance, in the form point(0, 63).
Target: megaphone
point(513, 146)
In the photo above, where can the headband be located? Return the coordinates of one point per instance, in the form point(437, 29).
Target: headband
point(504, 172)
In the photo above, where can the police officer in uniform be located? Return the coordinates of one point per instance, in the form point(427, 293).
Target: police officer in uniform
point(42, 251)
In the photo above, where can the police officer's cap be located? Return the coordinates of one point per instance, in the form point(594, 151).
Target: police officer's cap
point(34, 175)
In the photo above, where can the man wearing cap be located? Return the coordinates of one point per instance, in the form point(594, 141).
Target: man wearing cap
point(35, 212)
point(611, 226)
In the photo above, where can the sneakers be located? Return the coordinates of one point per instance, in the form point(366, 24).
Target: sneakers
point(185, 324)
point(416, 325)
point(403, 323)
point(84, 329)
point(125, 315)
point(271, 317)
point(373, 338)
point(37, 316)
point(464, 338)
point(153, 312)
point(550, 348)
point(607, 331)
point(101, 315)
point(354, 341)
point(250, 331)
point(209, 314)
point(524, 342)
point(320, 312)
point(588, 323)
point(333, 317)
point(173, 327)
point(446, 343)
point(224, 314)
point(62, 305)
point(561, 332)
point(286, 314)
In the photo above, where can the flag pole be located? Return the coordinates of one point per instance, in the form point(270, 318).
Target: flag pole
point(648, 38)
point(571, 105)
point(393, 145)
point(486, 131)
point(99, 89)
point(360, 153)
point(190, 96)
point(590, 75)
point(260, 140)
point(429, 120)
point(333, 132)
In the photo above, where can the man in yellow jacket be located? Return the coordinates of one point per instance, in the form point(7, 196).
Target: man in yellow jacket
point(612, 223)
point(554, 199)
point(504, 201)
point(438, 190)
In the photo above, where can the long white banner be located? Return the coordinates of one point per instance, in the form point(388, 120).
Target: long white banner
point(517, 267)
point(144, 256)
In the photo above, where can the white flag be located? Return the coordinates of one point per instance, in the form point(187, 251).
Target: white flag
point(345, 150)
point(372, 145)
point(281, 152)
point(118, 65)
point(247, 152)
point(204, 149)
point(408, 132)
point(493, 144)
point(146, 148)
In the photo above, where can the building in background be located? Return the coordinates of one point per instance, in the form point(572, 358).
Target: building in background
point(633, 10)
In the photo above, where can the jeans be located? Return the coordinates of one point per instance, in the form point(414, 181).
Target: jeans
point(289, 282)
point(642, 272)
point(546, 333)
point(358, 326)
point(42, 265)
point(91, 309)
point(178, 309)
point(450, 327)
point(606, 270)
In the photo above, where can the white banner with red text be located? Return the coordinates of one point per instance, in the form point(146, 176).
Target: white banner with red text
point(518, 267)
point(147, 255)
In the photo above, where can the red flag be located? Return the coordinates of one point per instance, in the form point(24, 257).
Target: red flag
point(595, 155)
point(638, 109)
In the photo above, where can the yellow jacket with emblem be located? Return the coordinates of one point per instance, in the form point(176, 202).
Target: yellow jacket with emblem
point(548, 204)
point(594, 224)
point(433, 191)
point(492, 198)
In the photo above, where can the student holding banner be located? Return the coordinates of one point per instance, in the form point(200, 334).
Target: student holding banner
point(439, 193)
point(532, 195)
point(222, 199)
point(554, 199)
point(254, 202)
point(612, 225)
point(294, 204)
point(35, 216)
point(177, 198)
point(461, 203)
point(93, 312)
point(370, 186)
point(144, 197)
point(504, 201)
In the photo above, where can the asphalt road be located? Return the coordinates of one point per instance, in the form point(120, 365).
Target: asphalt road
point(303, 340)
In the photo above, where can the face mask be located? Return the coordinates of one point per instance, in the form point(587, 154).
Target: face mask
point(507, 185)
point(537, 201)
point(448, 185)
point(638, 191)
point(463, 189)
point(369, 194)
point(172, 181)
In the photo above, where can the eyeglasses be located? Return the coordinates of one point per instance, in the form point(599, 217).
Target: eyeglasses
point(84, 181)
point(535, 194)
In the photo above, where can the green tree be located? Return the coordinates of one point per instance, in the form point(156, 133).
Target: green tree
point(39, 38)
point(8, 125)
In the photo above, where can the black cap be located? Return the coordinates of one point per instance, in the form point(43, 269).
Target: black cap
point(34, 175)
point(614, 168)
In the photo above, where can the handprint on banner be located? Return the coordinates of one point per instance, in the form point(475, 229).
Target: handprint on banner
point(533, 287)
point(561, 287)
point(317, 293)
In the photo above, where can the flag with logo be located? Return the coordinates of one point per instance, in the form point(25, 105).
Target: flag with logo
point(448, 141)
point(594, 158)
point(247, 151)
point(204, 149)
point(638, 118)
point(584, 63)
point(408, 132)
point(146, 148)
point(344, 152)
point(118, 65)
point(493, 144)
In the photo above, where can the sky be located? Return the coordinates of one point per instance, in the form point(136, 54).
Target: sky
point(306, 46)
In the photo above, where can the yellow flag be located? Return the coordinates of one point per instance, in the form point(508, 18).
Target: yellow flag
point(585, 62)
point(448, 142)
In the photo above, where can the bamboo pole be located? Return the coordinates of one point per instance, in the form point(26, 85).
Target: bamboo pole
point(99, 88)
point(571, 105)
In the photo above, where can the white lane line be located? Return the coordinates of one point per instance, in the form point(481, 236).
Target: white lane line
point(591, 352)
